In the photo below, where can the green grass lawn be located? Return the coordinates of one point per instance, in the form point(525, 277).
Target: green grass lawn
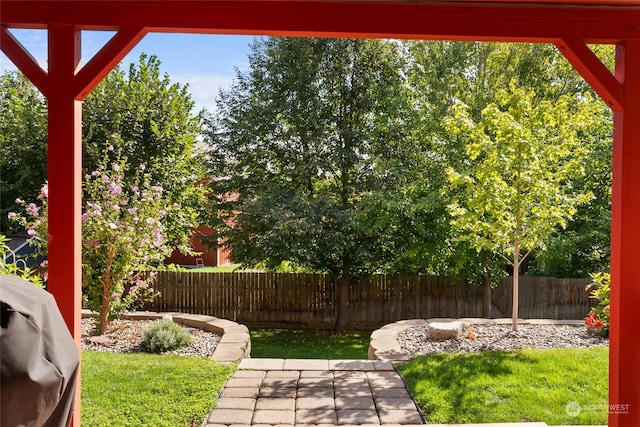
point(299, 344)
point(148, 390)
point(219, 269)
point(514, 386)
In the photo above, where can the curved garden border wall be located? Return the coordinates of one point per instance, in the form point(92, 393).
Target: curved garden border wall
point(235, 341)
point(383, 344)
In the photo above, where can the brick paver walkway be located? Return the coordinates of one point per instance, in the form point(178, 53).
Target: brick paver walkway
point(287, 392)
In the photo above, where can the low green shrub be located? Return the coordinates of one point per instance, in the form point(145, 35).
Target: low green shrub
point(165, 335)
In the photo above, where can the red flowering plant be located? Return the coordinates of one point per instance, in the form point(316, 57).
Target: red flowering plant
point(472, 333)
point(598, 317)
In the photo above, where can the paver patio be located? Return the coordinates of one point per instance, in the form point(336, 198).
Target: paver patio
point(287, 392)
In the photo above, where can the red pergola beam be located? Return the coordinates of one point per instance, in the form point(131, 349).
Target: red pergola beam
point(522, 21)
point(571, 25)
point(23, 60)
point(624, 357)
point(65, 180)
point(106, 59)
point(593, 71)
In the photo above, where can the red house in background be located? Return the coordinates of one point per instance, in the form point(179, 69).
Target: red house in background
point(207, 258)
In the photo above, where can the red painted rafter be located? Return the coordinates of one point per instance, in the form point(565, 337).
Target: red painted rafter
point(23, 60)
point(430, 20)
point(593, 71)
point(106, 59)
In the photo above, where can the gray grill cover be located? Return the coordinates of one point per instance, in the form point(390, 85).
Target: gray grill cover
point(38, 358)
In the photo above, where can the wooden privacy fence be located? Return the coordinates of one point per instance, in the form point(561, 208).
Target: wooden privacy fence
point(309, 300)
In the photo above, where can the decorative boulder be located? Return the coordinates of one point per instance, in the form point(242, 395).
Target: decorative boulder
point(440, 331)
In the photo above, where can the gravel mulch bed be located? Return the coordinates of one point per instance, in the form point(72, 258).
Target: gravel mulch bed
point(125, 336)
point(416, 340)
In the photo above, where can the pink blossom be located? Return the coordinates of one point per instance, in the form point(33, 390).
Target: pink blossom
point(18, 200)
point(110, 148)
point(150, 221)
point(116, 207)
point(44, 192)
point(31, 232)
point(94, 241)
point(44, 264)
point(152, 274)
point(142, 166)
point(112, 226)
point(132, 211)
point(32, 209)
point(12, 215)
point(95, 173)
point(123, 202)
point(116, 167)
point(162, 213)
point(135, 189)
point(114, 296)
point(115, 188)
point(85, 216)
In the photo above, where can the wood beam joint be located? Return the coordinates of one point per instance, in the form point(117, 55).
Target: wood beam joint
point(23, 60)
point(106, 59)
point(593, 71)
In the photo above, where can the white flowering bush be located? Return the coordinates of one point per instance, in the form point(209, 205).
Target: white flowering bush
point(122, 236)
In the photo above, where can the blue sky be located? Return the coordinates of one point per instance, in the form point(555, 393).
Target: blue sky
point(205, 62)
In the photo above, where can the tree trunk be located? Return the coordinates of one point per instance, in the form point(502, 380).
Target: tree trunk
point(343, 297)
point(105, 301)
point(486, 281)
point(104, 313)
point(516, 275)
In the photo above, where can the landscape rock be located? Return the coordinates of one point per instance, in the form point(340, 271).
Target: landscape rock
point(440, 331)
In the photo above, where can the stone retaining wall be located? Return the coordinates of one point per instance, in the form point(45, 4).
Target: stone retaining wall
point(235, 342)
point(383, 344)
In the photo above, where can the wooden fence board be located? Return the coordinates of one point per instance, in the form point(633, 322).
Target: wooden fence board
point(308, 300)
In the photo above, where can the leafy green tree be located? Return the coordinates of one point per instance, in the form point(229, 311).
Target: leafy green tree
point(142, 113)
point(301, 147)
point(23, 143)
point(150, 120)
point(444, 74)
point(514, 187)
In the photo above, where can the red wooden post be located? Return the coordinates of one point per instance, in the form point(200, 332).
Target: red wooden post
point(624, 358)
point(65, 180)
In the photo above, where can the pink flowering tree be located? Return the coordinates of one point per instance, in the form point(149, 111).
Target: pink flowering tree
point(122, 234)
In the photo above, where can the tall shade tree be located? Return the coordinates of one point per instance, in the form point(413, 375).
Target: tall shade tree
point(300, 147)
point(23, 143)
point(513, 187)
point(146, 117)
point(150, 120)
